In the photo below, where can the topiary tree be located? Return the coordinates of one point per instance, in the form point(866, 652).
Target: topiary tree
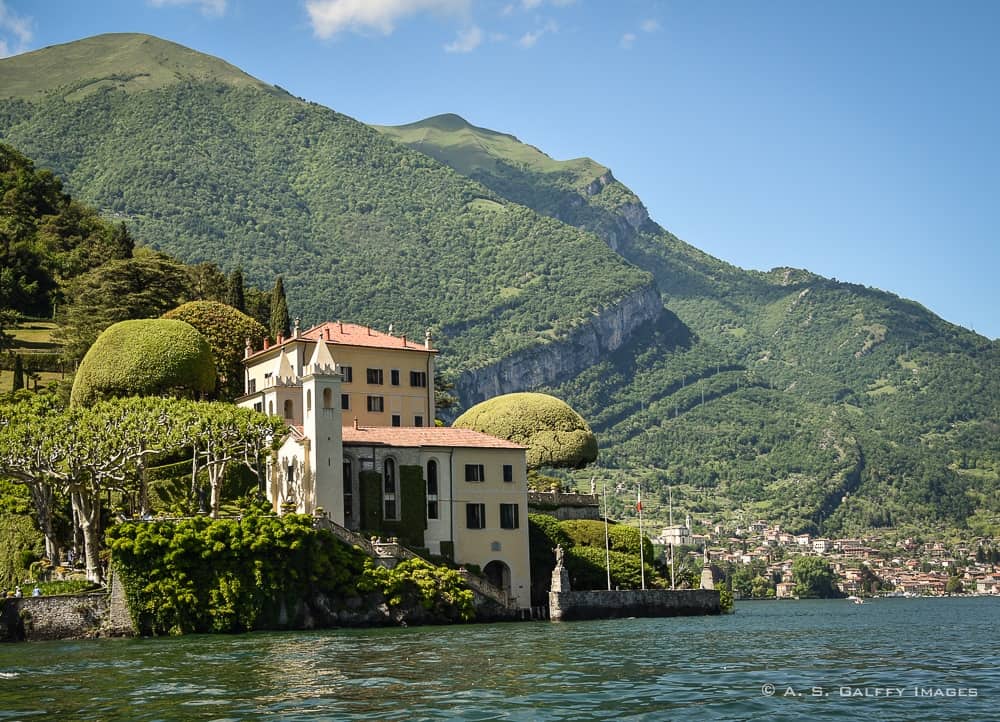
point(226, 329)
point(553, 432)
point(145, 357)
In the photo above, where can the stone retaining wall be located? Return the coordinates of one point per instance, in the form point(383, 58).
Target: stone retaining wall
point(567, 606)
point(65, 616)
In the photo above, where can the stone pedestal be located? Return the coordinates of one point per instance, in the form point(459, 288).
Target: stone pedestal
point(560, 579)
point(707, 580)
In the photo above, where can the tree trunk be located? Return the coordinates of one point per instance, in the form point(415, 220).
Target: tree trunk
point(216, 474)
point(88, 511)
point(43, 497)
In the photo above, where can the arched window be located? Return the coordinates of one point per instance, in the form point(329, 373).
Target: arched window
point(391, 510)
point(432, 489)
point(327, 398)
point(309, 400)
point(288, 408)
point(270, 408)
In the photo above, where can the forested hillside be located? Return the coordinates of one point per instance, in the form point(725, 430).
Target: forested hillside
point(829, 405)
point(825, 405)
point(213, 167)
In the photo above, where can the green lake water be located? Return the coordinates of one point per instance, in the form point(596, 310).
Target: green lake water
point(893, 659)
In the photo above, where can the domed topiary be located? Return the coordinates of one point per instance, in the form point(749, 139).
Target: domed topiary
point(553, 432)
point(144, 357)
point(227, 330)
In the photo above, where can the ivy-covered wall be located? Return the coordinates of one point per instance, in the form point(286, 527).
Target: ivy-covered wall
point(269, 572)
point(412, 496)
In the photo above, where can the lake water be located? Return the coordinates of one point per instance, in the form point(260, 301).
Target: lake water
point(894, 659)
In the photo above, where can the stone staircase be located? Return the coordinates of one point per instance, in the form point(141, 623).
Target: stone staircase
point(388, 552)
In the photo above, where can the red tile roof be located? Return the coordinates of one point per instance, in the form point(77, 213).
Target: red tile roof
point(351, 334)
point(408, 436)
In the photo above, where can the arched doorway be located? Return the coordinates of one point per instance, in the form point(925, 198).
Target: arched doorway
point(498, 574)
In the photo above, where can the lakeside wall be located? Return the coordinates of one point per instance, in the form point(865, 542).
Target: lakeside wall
point(603, 604)
point(66, 616)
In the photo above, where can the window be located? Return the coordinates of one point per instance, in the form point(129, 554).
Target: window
point(432, 489)
point(259, 406)
point(309, 400)
point(375, 376)
point(251, 386)
point(376, 403)
point(345, 401)
point(418, 420)
point(394, 377)
point(397, 420)
point(288, 408)
point(348, 373)
point(389, 490)
point(327, 398)
point(418, 378)
point(432, 478)
point(508, 516)
point(475, 472)
point(508, 472)
point(475, 516)
point(348, 491)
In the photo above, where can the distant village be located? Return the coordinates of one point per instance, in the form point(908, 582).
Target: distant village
point(864, 566)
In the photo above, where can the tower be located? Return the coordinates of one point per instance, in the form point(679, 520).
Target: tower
point(321, 426)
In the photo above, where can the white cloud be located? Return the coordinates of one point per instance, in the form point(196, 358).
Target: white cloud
point(467, 41)
point(209, 8)
point(650, 25)
point(12, 24)
point(628, 39)
point(529, 39)
point(329, 17)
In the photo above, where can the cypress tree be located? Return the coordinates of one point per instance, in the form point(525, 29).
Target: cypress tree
point(235, 290)
point(280, 322)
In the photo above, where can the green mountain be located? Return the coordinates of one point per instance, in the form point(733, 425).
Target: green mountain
point(207, 164)
point(826, 405)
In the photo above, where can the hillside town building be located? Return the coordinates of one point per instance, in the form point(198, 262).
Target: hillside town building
point(363, 450)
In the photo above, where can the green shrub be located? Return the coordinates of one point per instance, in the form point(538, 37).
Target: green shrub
point(227, 330)
point(143, 358)
point(553, 432)
point(227, 575)
point(440, 591)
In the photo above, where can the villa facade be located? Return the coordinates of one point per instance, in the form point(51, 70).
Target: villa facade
point(364, 451)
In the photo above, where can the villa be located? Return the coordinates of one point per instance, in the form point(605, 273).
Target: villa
point(364, 451)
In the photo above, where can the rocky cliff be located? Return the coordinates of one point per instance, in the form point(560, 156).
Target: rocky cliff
point(546, 364)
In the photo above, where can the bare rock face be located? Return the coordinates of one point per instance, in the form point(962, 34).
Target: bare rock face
point(545, 364)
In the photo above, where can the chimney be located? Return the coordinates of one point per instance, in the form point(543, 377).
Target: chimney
point(427, 339)
point(369, 328)
point(404, 339)
point(327, 330)
point(267, 344)
point(390, 329)
point(295, 332)
point(248, 349)
point(355, 422)
point(281, 339)
point(341, 324)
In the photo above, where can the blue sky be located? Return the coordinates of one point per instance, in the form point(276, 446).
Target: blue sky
point(855, 139)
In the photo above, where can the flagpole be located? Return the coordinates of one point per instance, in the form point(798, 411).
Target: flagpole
point(607, 542)
point(642, 556)
point(670, 493)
